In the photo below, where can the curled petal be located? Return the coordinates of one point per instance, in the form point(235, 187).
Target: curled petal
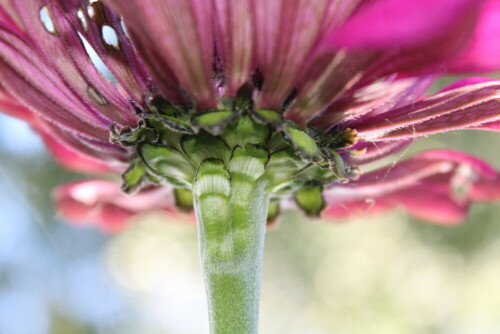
point(373, 100)
point(101, 203)
point(436, 185)
point(466, 107)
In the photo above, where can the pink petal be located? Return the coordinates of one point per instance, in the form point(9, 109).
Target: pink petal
point(286, 32)
point(483, 53)
point(373, 100)
point(101, 203)
point(436, 185)
point(431, 206)
point(181, 32)
point(71, 153)
point(120, 58)
point(9, 18)
point(65, 52)
point(466, 107)
point(10, 106)
point(486, 190)
point(71, 158)
point(234, 38)
point(404, 23)
point(27, 77)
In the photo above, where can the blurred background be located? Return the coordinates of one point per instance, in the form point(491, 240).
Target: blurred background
point(383, 274)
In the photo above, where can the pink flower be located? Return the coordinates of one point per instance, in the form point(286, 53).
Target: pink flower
point(358, 70)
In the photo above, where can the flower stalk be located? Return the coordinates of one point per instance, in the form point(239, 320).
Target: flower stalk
point(231, 209)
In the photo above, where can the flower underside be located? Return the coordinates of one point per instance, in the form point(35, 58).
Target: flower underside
point(172, 142)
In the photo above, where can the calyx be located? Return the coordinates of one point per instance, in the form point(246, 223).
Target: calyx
point(172, 142)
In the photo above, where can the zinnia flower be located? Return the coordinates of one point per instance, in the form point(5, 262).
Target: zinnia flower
point(241, 104)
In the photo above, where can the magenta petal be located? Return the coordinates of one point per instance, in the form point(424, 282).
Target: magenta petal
point(27, 77)
point(432, 206)
point(286, 32)
point(403, 23)
point(10, 106)
point(101, 203)
point(465, 107)
point(64, 52)
point(483, 53)
point(182, 35)
point(486, 190)
point(235, 41)
point(436, 185)
point(493, 126)
point(372, 100)
point(120, 57)
point(74, 159)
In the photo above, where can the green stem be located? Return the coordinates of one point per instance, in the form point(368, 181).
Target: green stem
point(231, 210)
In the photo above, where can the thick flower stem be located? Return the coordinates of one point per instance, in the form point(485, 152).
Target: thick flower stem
point(231, 210)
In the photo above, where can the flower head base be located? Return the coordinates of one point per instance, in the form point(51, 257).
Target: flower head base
point(173, 141)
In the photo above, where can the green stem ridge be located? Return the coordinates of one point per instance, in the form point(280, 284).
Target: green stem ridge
point(231, 209)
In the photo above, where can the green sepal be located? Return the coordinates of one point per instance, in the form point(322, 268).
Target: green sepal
point(134, 177)
point(282, 170)
point(249, 161)
point(183, 199)
point(177, 124)
point(273, 211)
point(159, 105)
point(167, 163)
point(128, 137)
point(267, 116)
point(204, 146)
point(214, 122)
point(310, 199)
point(304, 145)
point(337, 164)
point(320, 173)
point(245, 131)
point(277, 142)
point(212, 179)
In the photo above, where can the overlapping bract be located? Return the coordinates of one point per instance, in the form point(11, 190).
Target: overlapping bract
point(364, 65)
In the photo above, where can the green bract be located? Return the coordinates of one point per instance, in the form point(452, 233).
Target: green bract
point(174, 144)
